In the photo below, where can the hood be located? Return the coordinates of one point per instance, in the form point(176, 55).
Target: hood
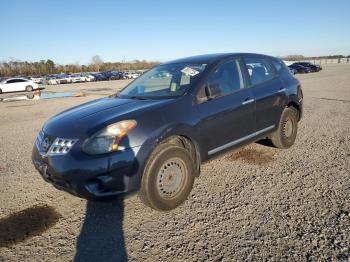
point(88, 118)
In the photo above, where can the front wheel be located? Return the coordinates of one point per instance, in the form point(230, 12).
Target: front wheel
point(286, 133)
point(168, 177)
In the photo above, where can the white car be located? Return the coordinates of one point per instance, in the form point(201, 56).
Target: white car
point(78, 78)
point(17, 84)
point(53, 81)
point(37, 80)
point(89, 78)
point(130, 75)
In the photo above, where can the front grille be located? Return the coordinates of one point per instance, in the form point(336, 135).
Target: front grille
point(49, 145)
point(61, 146)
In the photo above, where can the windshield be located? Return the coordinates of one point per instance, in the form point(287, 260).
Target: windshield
point(164, 81)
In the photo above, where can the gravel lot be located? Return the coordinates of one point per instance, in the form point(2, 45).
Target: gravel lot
point(258, 203)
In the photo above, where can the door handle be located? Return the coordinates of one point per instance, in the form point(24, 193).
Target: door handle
point(247, 101)
point(281, 90)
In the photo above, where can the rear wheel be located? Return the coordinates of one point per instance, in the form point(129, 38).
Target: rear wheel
point(29, 88)
point(286, 133)
point(168, 177)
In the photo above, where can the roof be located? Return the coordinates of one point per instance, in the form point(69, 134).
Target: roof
point(209, 58)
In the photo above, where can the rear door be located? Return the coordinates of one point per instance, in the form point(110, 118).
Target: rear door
point(268, 91)
point(22, 84)
point(227, 119)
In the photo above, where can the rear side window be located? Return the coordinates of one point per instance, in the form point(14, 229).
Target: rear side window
point(227, 77)
point(277, 64)
point(259, 70)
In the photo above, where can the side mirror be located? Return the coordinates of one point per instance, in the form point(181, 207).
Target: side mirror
point(212, 91)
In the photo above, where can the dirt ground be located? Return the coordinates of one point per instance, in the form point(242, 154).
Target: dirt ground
point(257, 203)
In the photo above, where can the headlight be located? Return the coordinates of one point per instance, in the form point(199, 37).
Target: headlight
point(108, 139)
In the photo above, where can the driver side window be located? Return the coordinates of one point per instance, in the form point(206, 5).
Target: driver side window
point(226, 79)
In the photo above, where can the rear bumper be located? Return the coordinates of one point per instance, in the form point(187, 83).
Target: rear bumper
point(94, 178)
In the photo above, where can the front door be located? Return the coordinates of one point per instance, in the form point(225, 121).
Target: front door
point(227, 118)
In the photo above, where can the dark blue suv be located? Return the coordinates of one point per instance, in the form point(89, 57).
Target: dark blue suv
point(153, 136)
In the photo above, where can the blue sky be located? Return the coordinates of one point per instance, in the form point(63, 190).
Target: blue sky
point(74, 31)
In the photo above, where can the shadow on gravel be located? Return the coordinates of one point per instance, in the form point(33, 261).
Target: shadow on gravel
point(26, 223)
point(102, 236)
point(252, 156)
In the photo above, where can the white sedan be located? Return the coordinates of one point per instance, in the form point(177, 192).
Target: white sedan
point(77, 78)
point(17, 84)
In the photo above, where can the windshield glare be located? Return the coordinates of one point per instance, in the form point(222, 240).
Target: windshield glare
point(164, 81)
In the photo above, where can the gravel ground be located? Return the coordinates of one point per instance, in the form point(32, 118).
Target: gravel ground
point(257, 203)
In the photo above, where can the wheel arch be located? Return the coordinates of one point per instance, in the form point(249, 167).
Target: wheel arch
point(296, 101)
point(184, 135)
point(297, 107)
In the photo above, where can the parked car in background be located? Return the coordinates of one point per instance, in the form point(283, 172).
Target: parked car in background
point(66, 77)
point(36, 79)
point(300, 69)
point(77, 78)
point(17, 84)
point(313, 67)
point(292, 70)
point(117, 75)
point(131, 75)
point(153, 136)
point(63, 79)
point(89, 77)
point(52, 80)
point(101, 76)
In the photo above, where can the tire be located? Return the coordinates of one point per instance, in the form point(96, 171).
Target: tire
point(168, 177)
point(29, 88)
point(0, 91)
point(286, 133)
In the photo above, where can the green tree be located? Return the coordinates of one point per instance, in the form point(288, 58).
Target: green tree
point(50, 66)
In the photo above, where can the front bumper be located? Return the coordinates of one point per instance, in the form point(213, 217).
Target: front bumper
point(93, 177)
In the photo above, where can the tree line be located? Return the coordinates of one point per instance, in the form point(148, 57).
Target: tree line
point(47, 67)
point(301, 57)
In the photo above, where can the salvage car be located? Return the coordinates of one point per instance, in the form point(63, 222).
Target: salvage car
point(153, 136)
point(17, 84)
